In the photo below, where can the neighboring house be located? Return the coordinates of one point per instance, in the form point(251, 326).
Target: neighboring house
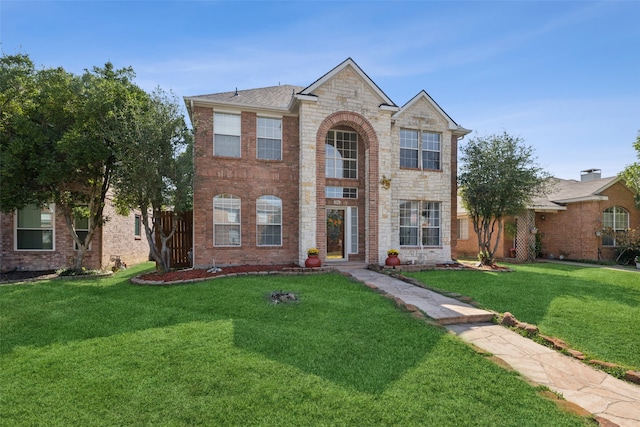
point(568, 222)
point(336, 165)
point(38, 239)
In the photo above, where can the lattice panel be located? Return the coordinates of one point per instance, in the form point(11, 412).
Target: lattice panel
point(525, 239)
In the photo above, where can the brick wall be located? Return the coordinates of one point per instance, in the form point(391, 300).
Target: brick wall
point(61, 257)
point(571, 232)
point(247, 178)
point(119, 238)
point(115, 237)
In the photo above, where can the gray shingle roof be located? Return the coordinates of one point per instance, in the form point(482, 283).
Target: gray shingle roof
point(569, 190)
point(266, 97)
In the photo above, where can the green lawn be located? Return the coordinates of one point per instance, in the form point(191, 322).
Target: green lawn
point(104, 352)
point(595, 310)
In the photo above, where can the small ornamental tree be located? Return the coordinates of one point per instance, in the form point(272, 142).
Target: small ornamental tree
point(155, 168)
point(498, 178)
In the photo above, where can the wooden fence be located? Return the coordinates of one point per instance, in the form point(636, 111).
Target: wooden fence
point(181, 243)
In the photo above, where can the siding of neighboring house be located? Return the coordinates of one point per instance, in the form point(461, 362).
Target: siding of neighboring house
point(344, 100)
point(570, 232)
point(116, 237)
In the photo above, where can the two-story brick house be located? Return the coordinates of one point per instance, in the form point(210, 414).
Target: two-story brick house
point(335, 165)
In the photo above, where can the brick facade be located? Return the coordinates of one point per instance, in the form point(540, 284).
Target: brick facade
point(570, 232)
point(345, 99)
point(116, 237)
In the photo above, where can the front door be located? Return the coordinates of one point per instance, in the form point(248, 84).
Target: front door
point(335, 233)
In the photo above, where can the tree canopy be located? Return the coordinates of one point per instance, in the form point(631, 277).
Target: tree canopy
point(498, 177)
point(63, 137)
point(631, 173)
point(155, 172)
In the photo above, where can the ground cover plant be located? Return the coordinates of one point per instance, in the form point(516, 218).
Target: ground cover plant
point(105, 352)
point(595, 310)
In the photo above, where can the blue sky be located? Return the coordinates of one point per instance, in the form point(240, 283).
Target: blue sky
point(564, 76)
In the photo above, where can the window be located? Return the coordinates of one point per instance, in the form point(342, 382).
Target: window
point(463, 228)
point(137, 227)
point(81, 225)
point(34, 228)
point(341, 154)
point(408, 148)
point(419, 223)
point(354, 230)
point(269, 146)
point(617, 219)
point(427, 155)
point(341, 192)
point(226, 139)
point(269, 219)
point(226, 220)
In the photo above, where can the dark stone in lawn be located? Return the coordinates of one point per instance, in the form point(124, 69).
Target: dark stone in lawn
point(278, 297)
point(508, 319)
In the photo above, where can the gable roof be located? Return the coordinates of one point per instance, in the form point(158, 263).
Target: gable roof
point(424, 95)
point(308, 91)
point(566, 191)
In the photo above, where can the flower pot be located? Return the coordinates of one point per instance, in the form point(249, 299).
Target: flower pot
point(313, 261)
point(392, 260)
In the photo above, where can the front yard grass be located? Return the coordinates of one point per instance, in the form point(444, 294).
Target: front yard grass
point(594, 310)
point(104, 352)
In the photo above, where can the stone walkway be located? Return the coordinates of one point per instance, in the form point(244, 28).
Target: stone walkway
point(612, 401)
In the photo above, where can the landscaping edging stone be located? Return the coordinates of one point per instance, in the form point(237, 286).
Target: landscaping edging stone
point(509, 320)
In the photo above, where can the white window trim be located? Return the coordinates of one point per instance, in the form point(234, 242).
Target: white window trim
point(421, 151)
point(239, 223)
point(419, 224)
point(357, 142)
point(53, 232)
point(271, 139)
point(258, 224)
point(75, 246)
point(622, 210)
point(213, 121)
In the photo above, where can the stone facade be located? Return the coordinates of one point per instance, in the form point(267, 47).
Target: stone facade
point(116, 237)
point(344, 100)
point(570, 231)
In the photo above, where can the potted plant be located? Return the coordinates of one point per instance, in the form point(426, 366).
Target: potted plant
point(392, 258)
point(312, 260)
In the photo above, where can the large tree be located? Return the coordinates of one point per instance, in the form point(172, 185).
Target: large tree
point(631, 173)
point(155, 168)
point(58, 140)
point(498, 178)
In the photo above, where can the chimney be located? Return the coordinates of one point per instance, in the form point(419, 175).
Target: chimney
point(590, 175)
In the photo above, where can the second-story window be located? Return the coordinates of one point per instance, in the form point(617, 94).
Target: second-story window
point(226, 137)
point(341, 154)
point(269, 144)
point(420, 150)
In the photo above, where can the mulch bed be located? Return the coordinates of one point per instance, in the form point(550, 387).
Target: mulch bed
point(194, 274)
point(26, 276)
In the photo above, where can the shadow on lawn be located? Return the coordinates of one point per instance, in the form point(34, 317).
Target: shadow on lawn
point(339, 330)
